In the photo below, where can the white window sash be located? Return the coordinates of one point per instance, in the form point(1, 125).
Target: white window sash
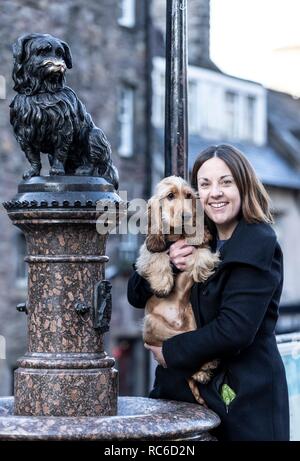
point(207, 108)
point(126, 120)
point(127, 17)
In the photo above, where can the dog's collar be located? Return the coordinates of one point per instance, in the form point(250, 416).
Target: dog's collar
point(29, 92)
point(26, 91)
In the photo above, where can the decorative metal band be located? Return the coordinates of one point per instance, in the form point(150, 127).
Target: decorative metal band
point(65, 187)
point(66, 361)
point(66, 259)
point(15, 204)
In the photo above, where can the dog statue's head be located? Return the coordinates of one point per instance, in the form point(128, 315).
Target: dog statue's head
point(174, 212)
point(40, 63)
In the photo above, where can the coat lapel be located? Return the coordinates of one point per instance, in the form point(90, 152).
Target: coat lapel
point(252, 244)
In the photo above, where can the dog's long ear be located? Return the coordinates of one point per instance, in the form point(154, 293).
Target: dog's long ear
point(68, 55)
point(19, 53)
point(19, 47)
point(207, 236)
point(155, 240)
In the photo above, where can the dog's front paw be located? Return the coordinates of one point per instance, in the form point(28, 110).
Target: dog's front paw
point(205, 263)
point(211, 365)
point(195, 391)
point(206, 372)
point(203, 376)
point(85, 170)
point(57, 169)
point(32, 171)
point(163, 285)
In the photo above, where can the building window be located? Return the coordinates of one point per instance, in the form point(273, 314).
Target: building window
point(220, 106)
point(208, 109)
point(193, 107)
point(128, 249)
point(231, 114)
point(127, 13)
point(2, 87)
point(126, 121)
point(158, 112)
point(250, 112)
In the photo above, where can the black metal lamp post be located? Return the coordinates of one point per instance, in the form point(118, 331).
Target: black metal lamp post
point(176, 121)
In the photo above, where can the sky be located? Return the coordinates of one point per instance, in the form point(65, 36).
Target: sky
point(258, 40)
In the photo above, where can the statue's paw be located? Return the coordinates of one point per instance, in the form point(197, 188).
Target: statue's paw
point(84, 170)
point(32, 171)
point(57, 170)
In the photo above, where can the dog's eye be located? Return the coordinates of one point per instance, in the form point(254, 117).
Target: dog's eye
point(59, 52)
point(170, 196)
point(43, 51)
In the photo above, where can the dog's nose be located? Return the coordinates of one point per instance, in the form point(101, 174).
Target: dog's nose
point(55, 64)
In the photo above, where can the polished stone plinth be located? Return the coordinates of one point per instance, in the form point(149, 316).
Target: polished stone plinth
point(65, 371)
point(137, 419)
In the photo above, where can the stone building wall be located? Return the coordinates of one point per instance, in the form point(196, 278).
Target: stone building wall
point(198, 21)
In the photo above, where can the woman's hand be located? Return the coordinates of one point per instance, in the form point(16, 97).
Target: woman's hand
point(157, 354)
point(179, 253)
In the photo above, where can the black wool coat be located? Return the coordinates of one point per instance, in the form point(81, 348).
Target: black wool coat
point(236, 311)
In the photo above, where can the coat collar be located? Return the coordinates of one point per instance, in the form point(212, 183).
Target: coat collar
point(251, 244)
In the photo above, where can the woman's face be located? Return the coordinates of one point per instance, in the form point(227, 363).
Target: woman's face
point(218, 192)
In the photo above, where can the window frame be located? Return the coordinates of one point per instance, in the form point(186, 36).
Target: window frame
point(211, 111)
point(126, 120)
point(127, 17)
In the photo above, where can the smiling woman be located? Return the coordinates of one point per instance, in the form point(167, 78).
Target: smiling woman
point(236, 308)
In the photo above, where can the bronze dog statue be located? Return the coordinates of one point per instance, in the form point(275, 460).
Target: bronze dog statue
point(48, 117)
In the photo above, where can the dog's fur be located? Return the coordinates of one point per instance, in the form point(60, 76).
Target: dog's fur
point(169, 312)
point(47, 116)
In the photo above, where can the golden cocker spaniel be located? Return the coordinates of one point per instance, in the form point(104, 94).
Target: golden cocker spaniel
point(174, 212)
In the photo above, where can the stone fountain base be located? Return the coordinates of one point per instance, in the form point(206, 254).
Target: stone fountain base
point(138, 418)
